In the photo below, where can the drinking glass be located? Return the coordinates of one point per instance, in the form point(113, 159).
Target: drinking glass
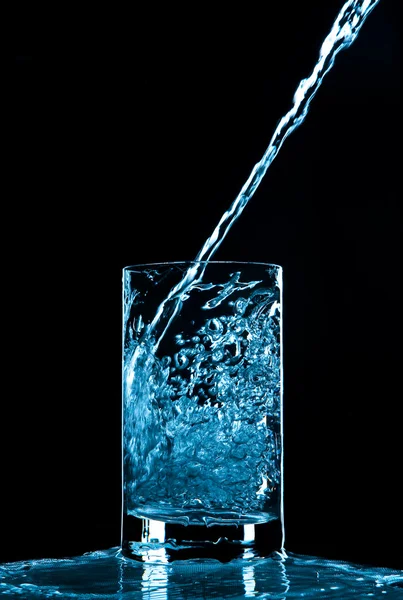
point(202, 383)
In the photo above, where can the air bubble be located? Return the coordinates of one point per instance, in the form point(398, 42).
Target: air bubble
point(240, 306)
point(181, 360)
point(215, 328)
point(217, 355)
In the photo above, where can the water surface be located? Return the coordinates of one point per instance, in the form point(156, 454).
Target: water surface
point(107, 575)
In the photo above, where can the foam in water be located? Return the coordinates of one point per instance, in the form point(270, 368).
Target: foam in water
point(202, 426)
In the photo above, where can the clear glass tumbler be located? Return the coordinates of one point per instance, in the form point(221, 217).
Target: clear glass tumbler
point(202, 411)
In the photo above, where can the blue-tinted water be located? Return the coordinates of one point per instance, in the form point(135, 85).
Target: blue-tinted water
point(202, 424)
point(107, 575)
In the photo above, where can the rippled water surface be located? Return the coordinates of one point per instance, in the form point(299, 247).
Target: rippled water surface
point(106, 574)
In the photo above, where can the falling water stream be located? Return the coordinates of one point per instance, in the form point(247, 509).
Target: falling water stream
point(343, 33)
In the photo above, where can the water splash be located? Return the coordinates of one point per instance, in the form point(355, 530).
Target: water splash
point(202, 423)
point(343, 33)
point(106, 574)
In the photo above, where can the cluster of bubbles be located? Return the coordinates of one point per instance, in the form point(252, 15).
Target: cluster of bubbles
point(205, 429)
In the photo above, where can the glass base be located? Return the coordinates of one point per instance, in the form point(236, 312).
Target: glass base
point(200, 517)
point(150, 541)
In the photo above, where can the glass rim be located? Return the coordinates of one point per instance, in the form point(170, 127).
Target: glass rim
point(201, 262)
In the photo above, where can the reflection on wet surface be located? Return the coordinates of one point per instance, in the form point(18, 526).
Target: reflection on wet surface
point(107, 574)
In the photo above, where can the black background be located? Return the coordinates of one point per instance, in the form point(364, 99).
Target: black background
point(132, 132)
